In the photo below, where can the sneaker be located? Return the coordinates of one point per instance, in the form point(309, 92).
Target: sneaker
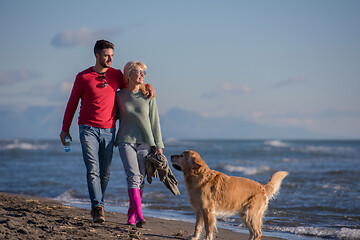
point(98, 214)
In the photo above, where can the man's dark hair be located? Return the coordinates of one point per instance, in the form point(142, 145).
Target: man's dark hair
point(102, 44)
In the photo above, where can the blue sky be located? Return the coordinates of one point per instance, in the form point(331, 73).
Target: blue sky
point(277, 63)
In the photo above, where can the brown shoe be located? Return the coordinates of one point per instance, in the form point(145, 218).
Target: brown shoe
point(98, 214)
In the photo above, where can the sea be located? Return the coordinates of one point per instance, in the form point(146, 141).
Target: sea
point(319, 199)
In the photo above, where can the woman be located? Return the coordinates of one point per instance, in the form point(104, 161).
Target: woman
point(139, 130)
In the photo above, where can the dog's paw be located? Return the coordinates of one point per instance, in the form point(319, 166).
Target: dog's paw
point(193, 238)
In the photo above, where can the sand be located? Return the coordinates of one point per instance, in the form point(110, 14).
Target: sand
point(26, 217)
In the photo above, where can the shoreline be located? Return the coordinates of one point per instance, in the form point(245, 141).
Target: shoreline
point(31, 217)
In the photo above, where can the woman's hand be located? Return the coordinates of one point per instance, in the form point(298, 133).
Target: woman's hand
point(159, 150)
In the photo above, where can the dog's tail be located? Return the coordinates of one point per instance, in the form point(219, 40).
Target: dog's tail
point(273, 186)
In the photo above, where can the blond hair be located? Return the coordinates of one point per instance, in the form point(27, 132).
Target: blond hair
point(127, 70)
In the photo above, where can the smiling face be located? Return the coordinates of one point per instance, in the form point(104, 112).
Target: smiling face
point(137, 75)
point(105, 57)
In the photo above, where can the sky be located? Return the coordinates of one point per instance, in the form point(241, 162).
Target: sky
point(276, 63)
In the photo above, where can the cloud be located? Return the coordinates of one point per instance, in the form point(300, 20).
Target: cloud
point(334, 113)
point(66, 87)
point(10, 77)
point(52, 91)
point(291, 81)
point(82, 37)
point(226, 89)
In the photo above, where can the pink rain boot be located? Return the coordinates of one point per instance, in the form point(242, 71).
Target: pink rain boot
point(135, 203)
point(131, 214)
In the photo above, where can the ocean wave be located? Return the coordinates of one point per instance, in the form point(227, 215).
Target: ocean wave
point(326, 150)
point(17, 144)
point(335, 187)
point(247, 170)
point(71, 195)
point(276, 143)
point(288, 160)
point(343, 233)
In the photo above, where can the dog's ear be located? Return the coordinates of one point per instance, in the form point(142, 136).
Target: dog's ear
point(196, 163)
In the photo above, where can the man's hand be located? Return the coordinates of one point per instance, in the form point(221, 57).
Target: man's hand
point(63, 135)
point(151, 90)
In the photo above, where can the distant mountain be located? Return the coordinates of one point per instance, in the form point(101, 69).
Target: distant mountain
point(179, 123)
point(32, 123)
point(46, 122)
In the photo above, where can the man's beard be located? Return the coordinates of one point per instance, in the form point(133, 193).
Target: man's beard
point(104, 65)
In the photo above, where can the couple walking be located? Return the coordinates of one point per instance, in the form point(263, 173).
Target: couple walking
point(139, 126)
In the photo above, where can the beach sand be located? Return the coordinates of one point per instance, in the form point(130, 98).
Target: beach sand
point(25, 217)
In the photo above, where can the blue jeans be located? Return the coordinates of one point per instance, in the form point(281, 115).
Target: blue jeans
point(133, 156)
point(97, 148)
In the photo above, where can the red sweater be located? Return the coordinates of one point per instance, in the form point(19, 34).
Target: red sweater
point(97, 106)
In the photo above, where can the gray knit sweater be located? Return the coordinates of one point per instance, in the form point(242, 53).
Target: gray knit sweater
point(138, 119)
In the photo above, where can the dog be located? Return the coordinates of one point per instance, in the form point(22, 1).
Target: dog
point(213, 193)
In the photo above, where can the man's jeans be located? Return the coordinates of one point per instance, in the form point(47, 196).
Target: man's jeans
point(133, 156)
point(97, 147)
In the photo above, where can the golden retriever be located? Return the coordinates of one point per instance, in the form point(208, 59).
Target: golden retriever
point(213, 193)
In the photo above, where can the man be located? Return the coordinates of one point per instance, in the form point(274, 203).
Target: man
point(96, 87)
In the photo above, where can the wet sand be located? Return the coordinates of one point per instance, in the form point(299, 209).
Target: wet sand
point(25, 217)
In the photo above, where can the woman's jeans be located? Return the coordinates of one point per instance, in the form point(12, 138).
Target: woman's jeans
point(97, 147)
point(133, 156)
